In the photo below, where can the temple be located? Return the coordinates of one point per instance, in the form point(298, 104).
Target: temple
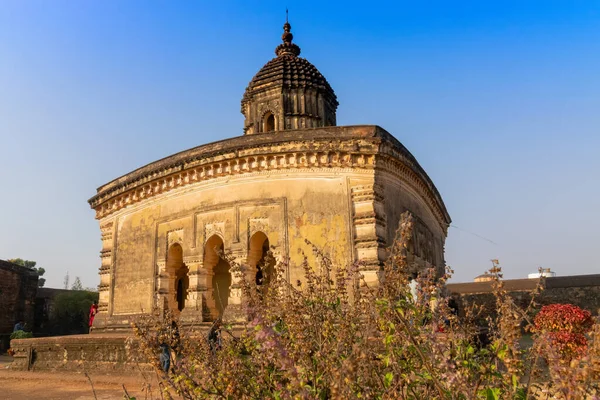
point(293, 175)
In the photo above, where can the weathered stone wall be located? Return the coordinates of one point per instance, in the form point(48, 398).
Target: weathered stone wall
point(18, 286)
point(427, 244)
point(288, 209)
point(106, 352)
point(98, 353)
point(580, 290)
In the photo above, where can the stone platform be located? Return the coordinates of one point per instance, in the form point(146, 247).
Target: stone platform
point(95, 352)
point(98, 352)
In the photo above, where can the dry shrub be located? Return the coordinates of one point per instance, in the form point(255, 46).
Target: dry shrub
point(332, 336)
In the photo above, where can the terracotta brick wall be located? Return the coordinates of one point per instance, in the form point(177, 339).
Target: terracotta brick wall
point(18, 287)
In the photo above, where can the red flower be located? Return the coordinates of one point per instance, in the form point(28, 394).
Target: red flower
point(564, 326)
point(563, 317)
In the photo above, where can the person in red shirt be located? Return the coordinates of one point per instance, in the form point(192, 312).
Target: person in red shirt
point(93, 312)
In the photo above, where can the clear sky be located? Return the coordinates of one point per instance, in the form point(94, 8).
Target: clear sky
point(499, 102)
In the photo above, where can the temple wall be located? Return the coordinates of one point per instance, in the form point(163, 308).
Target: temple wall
point(428, 235)
point(288, 207)
point(134, 272)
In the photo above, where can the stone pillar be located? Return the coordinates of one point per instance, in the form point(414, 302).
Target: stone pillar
point(106, 270)
point(162, 286)
point(235, 311)
point(369, 230)
point(194, 302)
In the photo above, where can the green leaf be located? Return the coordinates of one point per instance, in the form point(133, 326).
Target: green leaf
point(521, 394)
point(387, 380)
point(387, 360)
point(388, 339)
point(491, 393)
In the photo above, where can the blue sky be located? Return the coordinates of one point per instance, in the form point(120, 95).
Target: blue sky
point(499, 102)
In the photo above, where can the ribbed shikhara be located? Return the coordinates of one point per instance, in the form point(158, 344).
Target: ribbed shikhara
point(288, 93)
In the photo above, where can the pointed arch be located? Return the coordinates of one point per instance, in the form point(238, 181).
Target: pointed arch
point(218, 276)
point(178, 277)
point(262, 267)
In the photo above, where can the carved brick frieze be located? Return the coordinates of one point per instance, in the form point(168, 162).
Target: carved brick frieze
point(258, 225)
point(214, 228)
point(330, 156)
point(174, 236)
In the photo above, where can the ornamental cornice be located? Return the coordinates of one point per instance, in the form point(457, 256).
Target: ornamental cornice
point(319, 150)
point(329, 138)
point(310, 160)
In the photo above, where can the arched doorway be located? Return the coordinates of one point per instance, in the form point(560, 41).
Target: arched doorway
point(261, 263)
point(178, 277)
point(218, 277)
point(269, 122)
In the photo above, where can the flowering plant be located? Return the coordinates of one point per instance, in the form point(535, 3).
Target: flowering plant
point(332, 335)
point(563, 318)
point(564, 327)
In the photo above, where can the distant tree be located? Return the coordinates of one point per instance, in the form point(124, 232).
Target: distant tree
point(31, 265)
point(66, 281)
point(70, 312)
point(77, 284)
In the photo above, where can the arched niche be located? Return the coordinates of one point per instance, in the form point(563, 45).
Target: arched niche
point(218, 277)
point(262, 267)
point(269, 122)
point(178, 277)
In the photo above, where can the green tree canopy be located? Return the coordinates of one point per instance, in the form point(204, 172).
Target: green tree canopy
point(31, 265)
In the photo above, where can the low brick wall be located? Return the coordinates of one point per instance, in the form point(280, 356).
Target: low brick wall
point(82, 353)
point(580, 290)
point(103, 352)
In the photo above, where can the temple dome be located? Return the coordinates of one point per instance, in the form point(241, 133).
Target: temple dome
point(290, 72)
point(288, 93)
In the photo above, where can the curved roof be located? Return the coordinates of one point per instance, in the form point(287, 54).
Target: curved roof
point(342, 138)
point(288, 71)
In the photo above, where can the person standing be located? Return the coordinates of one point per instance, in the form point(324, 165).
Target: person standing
point(93, 312)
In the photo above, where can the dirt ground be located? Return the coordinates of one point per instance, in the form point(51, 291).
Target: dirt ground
point(19, 385)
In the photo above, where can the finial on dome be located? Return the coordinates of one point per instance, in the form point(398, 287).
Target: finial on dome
point(287, 47)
